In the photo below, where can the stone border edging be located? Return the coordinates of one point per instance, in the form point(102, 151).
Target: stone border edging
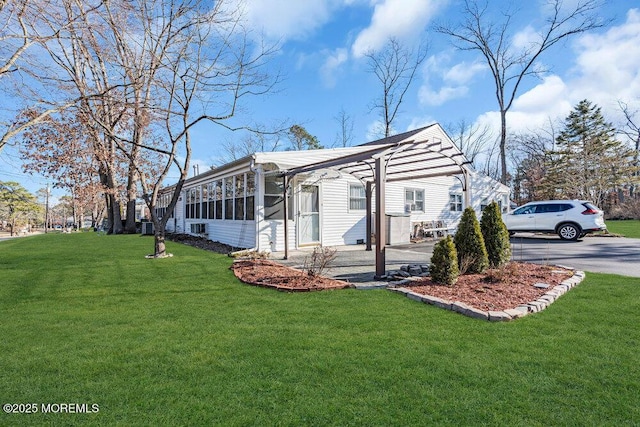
point(498, 316)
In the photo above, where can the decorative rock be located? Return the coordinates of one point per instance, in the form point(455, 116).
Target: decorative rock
point(414, 296)
point(414, 270)
point(522, 310)
point(404, 268)
point(459, 307)
point(499, 316)
point(515, 313)
point(399, 282)
point(548, 298)
point(402, 273)
point(425, 268)
point(439, 302)
point(476, 313)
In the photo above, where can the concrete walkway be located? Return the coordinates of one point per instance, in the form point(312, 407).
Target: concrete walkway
point(356, 265)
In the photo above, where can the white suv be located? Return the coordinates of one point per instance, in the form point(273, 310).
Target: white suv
point(569, 219)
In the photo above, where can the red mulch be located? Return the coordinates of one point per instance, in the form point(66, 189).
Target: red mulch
point(498, 289)
point(270, 274)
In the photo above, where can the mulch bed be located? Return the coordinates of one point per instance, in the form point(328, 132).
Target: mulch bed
point(270, 274)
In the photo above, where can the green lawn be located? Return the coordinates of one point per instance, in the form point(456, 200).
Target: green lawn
point(86, 319)
point(626, 228)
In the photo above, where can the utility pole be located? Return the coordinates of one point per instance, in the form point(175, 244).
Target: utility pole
point(46, 212)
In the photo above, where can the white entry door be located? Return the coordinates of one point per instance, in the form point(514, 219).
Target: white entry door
point(309, 218)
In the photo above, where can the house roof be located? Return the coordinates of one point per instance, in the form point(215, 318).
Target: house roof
point(420, 153)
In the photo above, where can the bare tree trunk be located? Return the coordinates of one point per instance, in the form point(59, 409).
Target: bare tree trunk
point(503, 147)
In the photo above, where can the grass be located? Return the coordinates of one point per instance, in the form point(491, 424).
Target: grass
point(627, 228)
point(179, 341)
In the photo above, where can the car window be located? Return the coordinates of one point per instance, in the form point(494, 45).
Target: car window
point(565, 207)
point(525, 210)
point(549, 208)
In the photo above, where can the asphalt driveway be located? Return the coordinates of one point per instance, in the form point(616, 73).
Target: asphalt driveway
point(615, 255)
point(597, 254)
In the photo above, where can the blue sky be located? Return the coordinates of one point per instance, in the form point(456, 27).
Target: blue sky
point(321, 56)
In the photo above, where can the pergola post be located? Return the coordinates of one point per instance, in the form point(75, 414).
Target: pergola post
point(368, 195)
point(381, 226)
point(285, 206)
point(467, 187)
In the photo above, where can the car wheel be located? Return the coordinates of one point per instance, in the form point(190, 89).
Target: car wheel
point(568, 232)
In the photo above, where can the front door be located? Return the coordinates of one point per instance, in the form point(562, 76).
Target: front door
point(309, 217)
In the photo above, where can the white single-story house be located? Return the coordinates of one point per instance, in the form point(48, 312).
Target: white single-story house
point(421, 175)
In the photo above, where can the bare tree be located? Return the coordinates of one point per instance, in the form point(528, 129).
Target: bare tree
point(474, 140)
point(631, 129)
point(395, 67)
point(250, 143)
point(344, 136)
point(20, 30)
point(207, 64)
point(509, 62)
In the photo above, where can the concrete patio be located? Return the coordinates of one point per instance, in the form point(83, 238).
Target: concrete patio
point(356, 265)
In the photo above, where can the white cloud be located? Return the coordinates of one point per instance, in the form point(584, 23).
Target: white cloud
point(543, 97)
point(606, 70)
point(286, 19)
point(607, 66)
point(525, 38)
point(395, 18)
point(463, 72)
point(454, 79)
point(427, 96)
point(332, 66)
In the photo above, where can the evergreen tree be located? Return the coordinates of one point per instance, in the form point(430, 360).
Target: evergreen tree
point(588, 162)
point(444, 262)
point(17, 205)
point(496, 236)
point(303, 140)
point(472, 254)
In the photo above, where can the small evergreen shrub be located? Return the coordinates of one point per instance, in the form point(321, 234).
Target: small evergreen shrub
point(444, 262)
point(472, 254)
point(496, 236)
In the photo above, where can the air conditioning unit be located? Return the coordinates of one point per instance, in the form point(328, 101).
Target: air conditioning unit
point(198, 228)
point(147, 228)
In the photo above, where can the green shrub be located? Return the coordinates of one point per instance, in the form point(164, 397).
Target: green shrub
point(496, 236)
point(444, 262)
point(472, 254)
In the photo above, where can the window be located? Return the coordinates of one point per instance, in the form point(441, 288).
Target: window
point(455, 202)
point(193, 203)
point(414, 200)
point(357, 197)
point(162, 203)
point(205, 199)
point(250, 196)
point(217, 197)
point(484, 203)
point(209, 202)
point(228, 198)
point(238, 213)
point(273, 198)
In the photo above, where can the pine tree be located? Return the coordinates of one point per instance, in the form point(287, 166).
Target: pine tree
point(588, 162)
point(444, 262)
point(472, 254)
point(496, 236)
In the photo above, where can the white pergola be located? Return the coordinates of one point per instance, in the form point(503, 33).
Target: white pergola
point(422, 153)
